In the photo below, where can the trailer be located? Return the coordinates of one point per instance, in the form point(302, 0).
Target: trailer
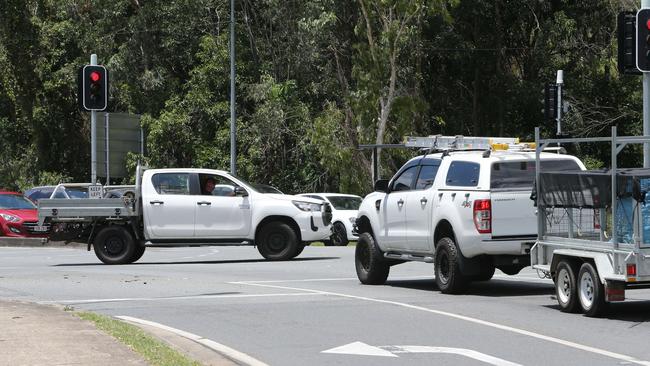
point(593, 228)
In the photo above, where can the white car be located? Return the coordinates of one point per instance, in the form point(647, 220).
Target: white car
point(175, 207)
point(344, 214)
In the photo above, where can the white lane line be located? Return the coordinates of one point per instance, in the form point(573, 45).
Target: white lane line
point(125, 299)
point(563, 342)
point(231, 353)
point(406, 278)
point(340, 279)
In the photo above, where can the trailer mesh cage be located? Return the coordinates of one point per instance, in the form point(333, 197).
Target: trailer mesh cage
point(577, 204)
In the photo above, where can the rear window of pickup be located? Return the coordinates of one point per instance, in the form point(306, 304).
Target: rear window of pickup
point(521, 174)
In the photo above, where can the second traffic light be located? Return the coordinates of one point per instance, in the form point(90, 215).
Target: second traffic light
point(643, 40)
point(626, 24)
point(550, 101)
point(93, 85)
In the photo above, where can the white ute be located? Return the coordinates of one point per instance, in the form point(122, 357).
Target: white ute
point(466, 210)
point(172, 208)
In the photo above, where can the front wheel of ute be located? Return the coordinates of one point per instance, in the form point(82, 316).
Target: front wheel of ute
point(371, 267)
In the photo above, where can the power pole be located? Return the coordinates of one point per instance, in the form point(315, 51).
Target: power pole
point(233, 126)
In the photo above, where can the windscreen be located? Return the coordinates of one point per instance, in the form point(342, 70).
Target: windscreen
point(15, 202)
point(521, 174)
point(345, 202)
point(263, 188)
point(76, 193)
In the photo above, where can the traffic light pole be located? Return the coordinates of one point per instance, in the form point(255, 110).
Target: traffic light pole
point(233, 124)
point(559, 82)
point(645, 4)
point(93, 135)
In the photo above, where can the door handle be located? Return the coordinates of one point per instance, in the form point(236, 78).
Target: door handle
point(423, 201)
point(157, 202)
point(400, 202)
point(204, 203)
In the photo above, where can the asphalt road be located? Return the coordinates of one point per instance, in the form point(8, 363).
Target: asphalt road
point(313, 310)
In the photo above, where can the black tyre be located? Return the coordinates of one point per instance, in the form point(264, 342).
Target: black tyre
point(299, 250)
point(339, 236)
point(277, 241)
point(138, 253)
point(371, 267)
point(448, 276)
point(486, 273)
point(114, 245)
point(565, 287)
point(590, 291)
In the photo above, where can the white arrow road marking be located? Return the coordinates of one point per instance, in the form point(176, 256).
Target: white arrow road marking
point(456, 351)
point(582, 347)
point(360, 348)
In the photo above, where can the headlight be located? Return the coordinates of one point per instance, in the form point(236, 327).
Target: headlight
point(10, 218)
point(353, 220)
point(307, 206)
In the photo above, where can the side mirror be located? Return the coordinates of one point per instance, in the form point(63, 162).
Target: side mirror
point(241, 192)
point(381, 185)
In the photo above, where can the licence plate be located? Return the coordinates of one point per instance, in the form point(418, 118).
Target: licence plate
point(39, 228)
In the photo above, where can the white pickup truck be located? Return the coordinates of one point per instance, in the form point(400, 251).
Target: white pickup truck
point(171, 207)
point(468, 212)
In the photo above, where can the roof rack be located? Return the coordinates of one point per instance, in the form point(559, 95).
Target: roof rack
point(460, 142)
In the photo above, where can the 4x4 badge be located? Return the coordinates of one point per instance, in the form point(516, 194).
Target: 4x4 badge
point(467, 203)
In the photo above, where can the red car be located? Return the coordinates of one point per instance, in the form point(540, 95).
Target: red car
point(18, 216)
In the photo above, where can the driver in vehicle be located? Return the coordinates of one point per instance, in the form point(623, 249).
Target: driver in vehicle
point(208, 186)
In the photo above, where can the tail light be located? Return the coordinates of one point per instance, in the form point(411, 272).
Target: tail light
point(483, 216)
point(631, 269)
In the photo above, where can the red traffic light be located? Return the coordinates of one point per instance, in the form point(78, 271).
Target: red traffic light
point(95, 76)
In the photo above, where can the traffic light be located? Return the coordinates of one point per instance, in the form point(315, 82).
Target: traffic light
point(626, 25)
point(550, 102)
point(643, 40)
point(93, 88)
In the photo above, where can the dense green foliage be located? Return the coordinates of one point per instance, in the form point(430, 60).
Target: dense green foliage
point(315, 79)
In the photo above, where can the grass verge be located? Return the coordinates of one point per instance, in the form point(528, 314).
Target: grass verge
point(152, 350)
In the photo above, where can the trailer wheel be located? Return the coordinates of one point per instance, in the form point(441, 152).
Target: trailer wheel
point(565, 287)
point(277, 241)
point(448, 276)
point(591, 292)
point(369, 262)
point(114, 245)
